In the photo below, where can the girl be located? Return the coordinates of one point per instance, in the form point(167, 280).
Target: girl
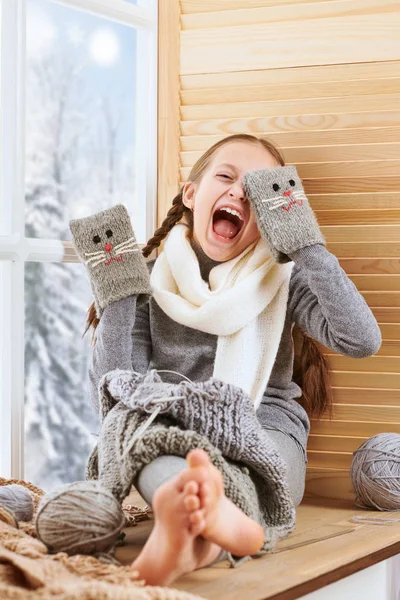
point(244, 261)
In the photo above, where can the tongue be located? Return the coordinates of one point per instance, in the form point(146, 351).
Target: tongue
point(225, 228)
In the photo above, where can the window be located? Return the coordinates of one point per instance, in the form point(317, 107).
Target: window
point(78, 135)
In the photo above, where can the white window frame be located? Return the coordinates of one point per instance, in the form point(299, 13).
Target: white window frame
point(15, 248)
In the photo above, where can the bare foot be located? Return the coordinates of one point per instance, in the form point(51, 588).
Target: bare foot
point(193, 520)
point(226, 525)
point(175, 546)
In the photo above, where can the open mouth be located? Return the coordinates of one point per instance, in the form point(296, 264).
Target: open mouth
point(226, 224)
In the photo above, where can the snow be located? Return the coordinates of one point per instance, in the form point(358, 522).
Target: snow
point(74, 168)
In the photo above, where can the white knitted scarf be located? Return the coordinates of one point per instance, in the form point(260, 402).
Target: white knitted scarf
point(245, 306)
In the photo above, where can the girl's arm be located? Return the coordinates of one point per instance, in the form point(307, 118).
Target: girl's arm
point(327, 304)
point(123, 342)
point(322, 300)
point(120, 281)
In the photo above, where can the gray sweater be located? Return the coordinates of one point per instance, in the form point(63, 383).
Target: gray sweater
point(322, 300)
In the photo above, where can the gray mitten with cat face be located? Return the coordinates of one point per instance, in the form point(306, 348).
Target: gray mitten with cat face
point(106, 244)
point(283, 214)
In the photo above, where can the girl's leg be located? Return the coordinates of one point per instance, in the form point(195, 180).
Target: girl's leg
point(293, 455)
point(155, 474)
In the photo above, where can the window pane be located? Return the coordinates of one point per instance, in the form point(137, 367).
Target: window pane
point(81, 99)
point(60, 422)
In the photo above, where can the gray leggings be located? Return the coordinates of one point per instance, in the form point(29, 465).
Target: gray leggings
point(164, 467)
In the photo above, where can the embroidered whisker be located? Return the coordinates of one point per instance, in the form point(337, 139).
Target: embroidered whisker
point(273, 199)
point(94, 254)
point(102, 261)
point(101, 257)
point(131, 240)
point(123, 251)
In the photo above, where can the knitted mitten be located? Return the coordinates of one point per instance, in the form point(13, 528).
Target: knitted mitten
point(283, 214)
point(106, 244)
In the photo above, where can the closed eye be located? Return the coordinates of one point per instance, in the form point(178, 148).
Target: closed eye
point(224, 175)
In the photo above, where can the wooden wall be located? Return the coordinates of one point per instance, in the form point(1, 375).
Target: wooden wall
point(322, 80)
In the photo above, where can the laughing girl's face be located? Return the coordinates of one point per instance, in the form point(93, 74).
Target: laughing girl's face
point(224, 234)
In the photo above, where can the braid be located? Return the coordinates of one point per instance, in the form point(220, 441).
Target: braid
point(174, 215)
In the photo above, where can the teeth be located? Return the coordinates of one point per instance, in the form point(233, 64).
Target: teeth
point(232, 211)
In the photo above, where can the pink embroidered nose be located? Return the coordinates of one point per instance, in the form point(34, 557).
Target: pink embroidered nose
point(108, 247)
point(287, 193)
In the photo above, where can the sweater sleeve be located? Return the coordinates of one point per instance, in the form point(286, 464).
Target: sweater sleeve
point(123, 341)
point(328, 306)
point(113, 348)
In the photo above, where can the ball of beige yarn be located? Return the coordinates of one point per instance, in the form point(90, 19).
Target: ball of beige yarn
point(79, 518)
point(375, 472)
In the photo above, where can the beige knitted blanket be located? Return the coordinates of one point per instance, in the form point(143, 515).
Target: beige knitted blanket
point(27, 571)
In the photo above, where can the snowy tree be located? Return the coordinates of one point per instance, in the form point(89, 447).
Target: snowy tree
point(59, 172)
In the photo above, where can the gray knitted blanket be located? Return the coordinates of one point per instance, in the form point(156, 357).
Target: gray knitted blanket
point(212, 415)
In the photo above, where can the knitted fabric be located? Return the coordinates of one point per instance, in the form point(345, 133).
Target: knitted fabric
point(212, 415)
point(27, 571)
point(106, 244)
point(283, 214)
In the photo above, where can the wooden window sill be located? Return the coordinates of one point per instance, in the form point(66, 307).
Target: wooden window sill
point(292, 572)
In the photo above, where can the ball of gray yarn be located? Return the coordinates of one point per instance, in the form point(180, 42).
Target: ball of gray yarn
point(375, 472)
point(18, 500)
point(79, 518)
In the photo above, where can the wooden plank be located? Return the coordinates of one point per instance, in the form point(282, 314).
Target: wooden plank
point(318, 154)
point(370, 265)
point(385, 168)
point(390, 331)
point(388, 347)
point(296, 122)
point(367, 283)
point(390, 299)
point(302, 106)
point(357, 217)
point(352, 428)
point(333, 443)
point(333, 185)
point(330, 460)
point(290, 75)
point(381, 364)
point(332, 483)
point(361, 249)
point(346, 201)
point(200, 6)
point(287, 91)
point(168, 105)
point(319, 177)
point(369, 380)
point(366, 412)
point(283, 576)
point(345, 39)
point(283, 13)
point(371, 396)
point(361, 136)
point(302, 569)
point(386, 315)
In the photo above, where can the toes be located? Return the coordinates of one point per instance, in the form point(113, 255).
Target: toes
point(191, 487)
point(204, 494)
point(196, 476)
point(198, 458)
point(191, 503)
point(197, 522)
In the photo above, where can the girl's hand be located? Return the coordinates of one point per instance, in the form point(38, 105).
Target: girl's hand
point(283, 214)
point(106, 244)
